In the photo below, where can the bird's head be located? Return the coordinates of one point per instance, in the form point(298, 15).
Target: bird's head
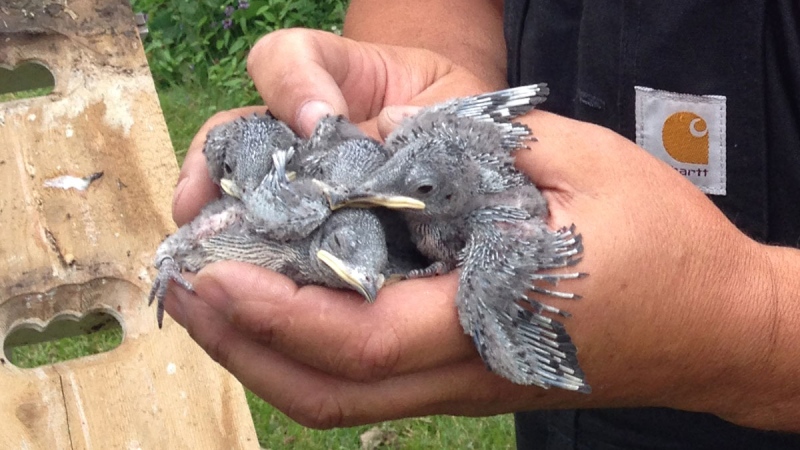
point(331, 131)
point(433, 176)
point(239, 153)
point(219, 149)
point(346, 164)
point(352, 245)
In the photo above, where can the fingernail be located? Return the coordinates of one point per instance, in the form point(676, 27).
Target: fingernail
point(310, 113)
point(396, 114)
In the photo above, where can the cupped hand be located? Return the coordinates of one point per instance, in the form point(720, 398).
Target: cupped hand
point(663, 310)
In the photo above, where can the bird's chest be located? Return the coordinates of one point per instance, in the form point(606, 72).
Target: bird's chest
point(438, 240)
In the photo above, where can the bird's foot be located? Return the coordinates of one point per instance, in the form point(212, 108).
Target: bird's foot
point(168, 270)
point(437, 268)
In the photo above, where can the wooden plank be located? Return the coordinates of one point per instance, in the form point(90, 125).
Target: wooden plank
point(66, 253)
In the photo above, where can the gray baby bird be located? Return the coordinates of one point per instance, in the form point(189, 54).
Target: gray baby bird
point(452, 174)
point(239, 153)
point(341, 156)
point(248, 158)
point(347, 251)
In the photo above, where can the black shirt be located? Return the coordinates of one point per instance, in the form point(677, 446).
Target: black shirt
point(593, 54)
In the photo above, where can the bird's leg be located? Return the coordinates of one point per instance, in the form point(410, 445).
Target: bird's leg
point(168, 269)
point(437, 268)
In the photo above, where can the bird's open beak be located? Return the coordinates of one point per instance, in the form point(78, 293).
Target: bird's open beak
point(351, 276)
point(230, 188)
point(359, 199)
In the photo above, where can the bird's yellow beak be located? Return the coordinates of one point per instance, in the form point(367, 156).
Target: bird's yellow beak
point(230, 188)
point(357, 199)
point(367, 288)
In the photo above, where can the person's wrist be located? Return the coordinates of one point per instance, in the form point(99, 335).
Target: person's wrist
point(749, 355)
point(768, 388)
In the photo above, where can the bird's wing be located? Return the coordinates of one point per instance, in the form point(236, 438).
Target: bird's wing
point(285, 210)
point(500, 263)
point(498, 106)
point(288, 213)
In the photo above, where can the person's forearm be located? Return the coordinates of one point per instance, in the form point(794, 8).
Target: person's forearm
point(469, 32)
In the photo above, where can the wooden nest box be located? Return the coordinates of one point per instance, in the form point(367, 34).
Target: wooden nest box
point(76, 248)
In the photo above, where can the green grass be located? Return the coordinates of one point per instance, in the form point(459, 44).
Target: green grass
point(185, 109)
point(276, 431)
point(35, 355)
point(29, 93)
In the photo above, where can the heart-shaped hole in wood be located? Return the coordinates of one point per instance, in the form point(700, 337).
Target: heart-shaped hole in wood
point(27, 79)
point(67, 321)
point(64, 338)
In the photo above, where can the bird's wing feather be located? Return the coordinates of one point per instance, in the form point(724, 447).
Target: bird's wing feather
point(498, 106)
point(282, 210)
point(289, 213)
point(505, 250)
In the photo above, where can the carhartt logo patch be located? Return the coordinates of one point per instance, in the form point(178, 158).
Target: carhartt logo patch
point(685, 131)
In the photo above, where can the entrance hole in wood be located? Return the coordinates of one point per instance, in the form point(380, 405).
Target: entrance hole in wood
point(65, 337)
point(26, 80)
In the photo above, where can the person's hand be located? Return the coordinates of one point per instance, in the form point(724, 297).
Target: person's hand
point(304, 75)
point(672, 311)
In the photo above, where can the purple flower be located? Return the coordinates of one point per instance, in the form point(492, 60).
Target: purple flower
point(227, 23)
point(244, 4)
point(228, 11)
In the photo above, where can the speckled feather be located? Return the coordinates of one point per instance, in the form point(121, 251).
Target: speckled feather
point(336, 154)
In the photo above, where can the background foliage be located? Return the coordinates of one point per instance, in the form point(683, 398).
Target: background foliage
point(205, 42)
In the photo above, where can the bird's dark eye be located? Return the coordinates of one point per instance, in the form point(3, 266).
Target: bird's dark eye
point(336, 240)
point(227, 168)
point(424, 189)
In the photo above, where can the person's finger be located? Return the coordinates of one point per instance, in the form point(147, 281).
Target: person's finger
point(391, 116)
point(195, 188)
point(321, 73)
point(316, 399)
point(336, 331)
point(296, 78)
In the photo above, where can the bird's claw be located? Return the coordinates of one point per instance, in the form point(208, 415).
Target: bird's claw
point(168, 270)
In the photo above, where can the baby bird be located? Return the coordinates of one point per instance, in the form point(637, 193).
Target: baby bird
point(452, 174)
point(347, 251)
